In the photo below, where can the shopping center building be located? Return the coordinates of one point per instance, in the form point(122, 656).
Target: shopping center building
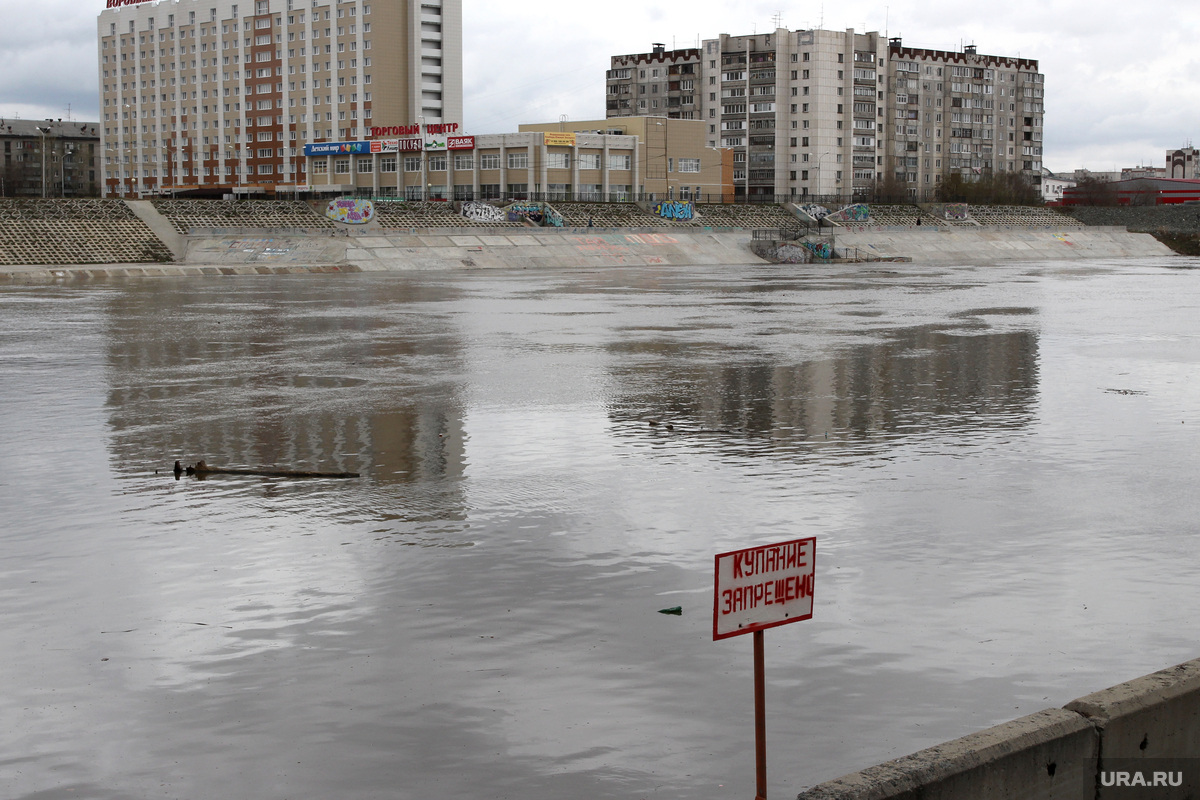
point(613, 160)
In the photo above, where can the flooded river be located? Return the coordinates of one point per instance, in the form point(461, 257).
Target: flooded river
point(999, 465)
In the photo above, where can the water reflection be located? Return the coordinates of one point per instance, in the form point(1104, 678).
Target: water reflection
point(911, 383)
point(291, 379)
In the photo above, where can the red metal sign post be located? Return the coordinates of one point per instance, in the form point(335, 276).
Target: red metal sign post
point(756, 589)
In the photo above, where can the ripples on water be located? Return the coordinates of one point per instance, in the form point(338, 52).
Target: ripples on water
point(997, 463)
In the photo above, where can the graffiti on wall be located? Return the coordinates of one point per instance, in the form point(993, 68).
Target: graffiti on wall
point(552, 217)
point(483, 212)
point(522, 211)
point(859, 212)
point(955, 211)
point(674, 210)
point(351, 212)
point(822, 250)
point(816, 212)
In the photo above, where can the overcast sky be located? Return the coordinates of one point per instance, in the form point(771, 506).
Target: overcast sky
point(1122, 79)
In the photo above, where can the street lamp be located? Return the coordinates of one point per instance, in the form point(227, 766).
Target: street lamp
point(42, 131)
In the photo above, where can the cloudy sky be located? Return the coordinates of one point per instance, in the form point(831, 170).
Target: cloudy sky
point(1122, 80)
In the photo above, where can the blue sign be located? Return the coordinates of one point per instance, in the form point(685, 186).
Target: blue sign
point(337, 148)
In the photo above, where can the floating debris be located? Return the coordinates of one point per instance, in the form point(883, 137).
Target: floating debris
point(677, 611)
point(202, 469)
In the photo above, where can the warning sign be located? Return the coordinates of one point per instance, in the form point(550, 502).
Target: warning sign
point(764, 587)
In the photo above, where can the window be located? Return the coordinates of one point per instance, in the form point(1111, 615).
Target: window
point(518, 161)
point(341, 166)
point(558, 160)
point(619, 162)
point(387, 164)
point(689, 165)
point(589, 161)
point(490, 161)
point(437, 163)
point(412, 163)
point(366, 165)
point(464, 162)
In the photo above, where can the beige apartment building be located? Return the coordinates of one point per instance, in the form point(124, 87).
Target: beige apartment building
point(217, 97)
point(962, 112)
point(637, 158)
point(836, 114)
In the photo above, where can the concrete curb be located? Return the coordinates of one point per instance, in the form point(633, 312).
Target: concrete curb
point(1057, 754)
point(1155, 716)
point(1049, 754)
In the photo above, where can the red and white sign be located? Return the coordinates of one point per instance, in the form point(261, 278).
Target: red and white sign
point(461, 142)
point(764, 587)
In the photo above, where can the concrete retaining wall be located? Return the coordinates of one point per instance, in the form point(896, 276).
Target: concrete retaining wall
point(458, 249)
point(1073, 753)
point(508, 249)
point(929, 245)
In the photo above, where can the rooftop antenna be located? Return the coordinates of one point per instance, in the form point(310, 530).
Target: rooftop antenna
point(778, 19)
point(887, 20)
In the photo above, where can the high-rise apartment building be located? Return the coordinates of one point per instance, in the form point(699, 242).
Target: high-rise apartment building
point(839, 114)
point(962, 113)
point(213, 96)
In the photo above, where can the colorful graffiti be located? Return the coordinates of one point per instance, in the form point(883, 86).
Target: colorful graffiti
point(351, 212)
point(483, 212)
point(821, 250)
point(816, 212)
point(955, 211)
point(552, 217)
point(859, 212)
point(674, 210)
point(522, 211)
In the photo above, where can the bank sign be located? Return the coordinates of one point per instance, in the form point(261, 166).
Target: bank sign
point(764, 587)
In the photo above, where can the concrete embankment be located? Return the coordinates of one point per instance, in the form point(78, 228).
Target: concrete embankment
point(247, 252)
point(930, 245)
point(1147, 727)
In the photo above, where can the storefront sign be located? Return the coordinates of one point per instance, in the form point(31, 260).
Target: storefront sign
point(386, 146)
point(337, 148)
point(119, 3)
point(461, 142)
point(764, 587)
point(443, 128)
point(559, 139)
point(435, 141)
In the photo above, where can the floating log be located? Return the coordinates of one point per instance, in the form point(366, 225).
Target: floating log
point(202, 469)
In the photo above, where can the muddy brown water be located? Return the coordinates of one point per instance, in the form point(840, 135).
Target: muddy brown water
point(999, 465)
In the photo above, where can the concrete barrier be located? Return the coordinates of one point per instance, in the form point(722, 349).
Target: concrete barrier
point(1144, 730)
point(1051, 754)
point(1148, 725)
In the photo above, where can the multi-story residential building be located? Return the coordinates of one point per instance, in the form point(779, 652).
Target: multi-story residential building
point(961, 113)
point(219, 97)
point(839, 114)
point(50, 158)
point(662, 83)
